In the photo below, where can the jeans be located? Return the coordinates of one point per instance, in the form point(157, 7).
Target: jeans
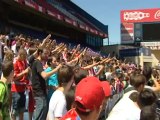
point(41, 110)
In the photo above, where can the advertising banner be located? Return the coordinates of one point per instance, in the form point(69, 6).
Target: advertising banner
point(144, 15)
point(127, 33)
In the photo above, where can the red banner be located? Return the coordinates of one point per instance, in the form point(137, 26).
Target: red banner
point(127, 28)
point(144, 15)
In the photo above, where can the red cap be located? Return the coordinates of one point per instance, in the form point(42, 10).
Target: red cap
point(106, 87)
point(89, 93)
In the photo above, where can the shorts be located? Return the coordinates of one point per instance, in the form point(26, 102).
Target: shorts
point(18, 103)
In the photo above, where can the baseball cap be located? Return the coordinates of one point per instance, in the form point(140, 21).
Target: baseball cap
point(89, 93)
point(106, 87)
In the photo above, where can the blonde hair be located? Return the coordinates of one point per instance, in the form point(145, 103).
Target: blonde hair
point(9, 55)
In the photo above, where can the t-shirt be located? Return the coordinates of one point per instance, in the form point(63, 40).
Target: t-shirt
point(51, 81)
point(57, 105)
point(4, 105)
point(71, 115)
point(20, 84)
point(125, 109)
point(38, 83)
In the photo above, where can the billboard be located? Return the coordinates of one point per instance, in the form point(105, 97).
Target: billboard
point(131, 23)
point(144, 15)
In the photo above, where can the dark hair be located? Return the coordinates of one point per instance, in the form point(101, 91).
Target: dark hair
point(97, 59)
point(21, 51)
point(7, 68)
point(49, 61)
point(65, 74)
point(79, 75)
point(138, 80)
point(148, 113)
point(39, 51)
point(70, 97)
point(146, 97)
point(147, 72)
point(134, 96)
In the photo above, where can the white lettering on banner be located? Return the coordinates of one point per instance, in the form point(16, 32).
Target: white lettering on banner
point(126, 28)
point(29, 4)
point(40, 9)
point(157, 15)
point(51, 13)
point(82, 26)
point(59, 17)
point(150, 44)
point(135, 15)
point(68, 20)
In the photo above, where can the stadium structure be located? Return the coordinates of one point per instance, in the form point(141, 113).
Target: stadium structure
point(140, 29)
point(66, 21)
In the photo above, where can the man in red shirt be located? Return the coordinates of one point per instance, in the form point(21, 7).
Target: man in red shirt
point(19, 83)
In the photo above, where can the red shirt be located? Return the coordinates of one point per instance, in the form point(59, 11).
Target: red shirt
point(19, 85)
point(70, 115)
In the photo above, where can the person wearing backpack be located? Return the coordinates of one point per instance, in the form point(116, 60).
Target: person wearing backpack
point(7, 76)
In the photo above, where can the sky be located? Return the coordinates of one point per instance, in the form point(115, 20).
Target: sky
point(108, 12)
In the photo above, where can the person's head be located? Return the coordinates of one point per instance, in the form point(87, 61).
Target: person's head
point(7, 70)
point(55, 61)
point(43, 54)
point(134, 96)
point(65, 76)
point(97, 59)
point(146, 97)
point(79, 75)
point(148, 113)
point(112, 82)
point(89, 97)
point(138, 81)
point(22, 54)
point(9, 55)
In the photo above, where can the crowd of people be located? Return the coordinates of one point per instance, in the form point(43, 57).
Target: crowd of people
point(65, 83)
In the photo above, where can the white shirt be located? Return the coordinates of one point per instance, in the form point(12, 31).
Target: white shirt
point(108, 75)
point(125, 109)
point(13, 48)
point(57, 105)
